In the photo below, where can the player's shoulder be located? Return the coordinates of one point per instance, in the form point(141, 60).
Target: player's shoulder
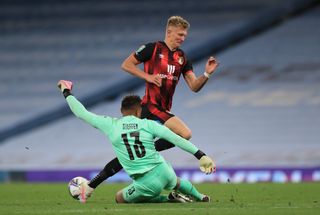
point(146, 121)
point(149, 45)
point(161, 44)
point(151, 123)
point(110, 118)
point(181, 52)
point(144, 52)
point(145, 124)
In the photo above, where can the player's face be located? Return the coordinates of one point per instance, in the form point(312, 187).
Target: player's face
point(176, 36)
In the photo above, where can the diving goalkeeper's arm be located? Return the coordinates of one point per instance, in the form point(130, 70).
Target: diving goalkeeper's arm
point(206, 164)
point(78, 109)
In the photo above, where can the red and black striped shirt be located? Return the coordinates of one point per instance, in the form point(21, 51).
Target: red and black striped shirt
point(169, 65)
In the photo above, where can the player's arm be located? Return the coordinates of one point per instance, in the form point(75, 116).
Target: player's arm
point(206, 163)
point(76, 107)
point(196, 83)
point(130, 64)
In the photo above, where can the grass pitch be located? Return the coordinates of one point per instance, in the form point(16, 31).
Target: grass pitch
point(227, 199)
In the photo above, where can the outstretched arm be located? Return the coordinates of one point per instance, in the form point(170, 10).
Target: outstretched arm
point(206, 163)
point(76, 107)
point(196, 84)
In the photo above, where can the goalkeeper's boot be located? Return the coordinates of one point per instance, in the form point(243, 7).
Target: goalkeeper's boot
point(178, 197)
point(85, 192)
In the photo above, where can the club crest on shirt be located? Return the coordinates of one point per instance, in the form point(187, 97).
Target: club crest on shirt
point(180, 60)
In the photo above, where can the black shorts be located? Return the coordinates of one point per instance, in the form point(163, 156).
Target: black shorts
point(155, 112)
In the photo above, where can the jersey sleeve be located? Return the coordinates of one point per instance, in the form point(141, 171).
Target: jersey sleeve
point(187, 67)
point(144, 53)
point(97, 121)
point(163, 132)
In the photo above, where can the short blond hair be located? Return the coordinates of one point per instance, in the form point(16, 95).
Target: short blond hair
point(178, 21)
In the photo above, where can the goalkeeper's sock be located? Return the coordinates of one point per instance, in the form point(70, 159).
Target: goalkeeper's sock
point(162, 144)
point(188, 189)
point(109, 170)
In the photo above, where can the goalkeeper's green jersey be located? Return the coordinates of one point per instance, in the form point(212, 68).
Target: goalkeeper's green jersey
point(132, 138)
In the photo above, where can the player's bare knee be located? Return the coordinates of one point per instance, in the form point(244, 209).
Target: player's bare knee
point(187, 134)
point(119, 197)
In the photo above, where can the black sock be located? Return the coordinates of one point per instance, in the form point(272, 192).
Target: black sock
point(109, 170)
point(162, 144)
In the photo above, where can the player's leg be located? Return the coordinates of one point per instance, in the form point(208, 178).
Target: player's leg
point(109, 170)
point(144, 188)
point(173, 122)
point(171, 183)
point(176, 125)
point(119, 197)
point(184, 186)
point(157, 199)
point(147, 188)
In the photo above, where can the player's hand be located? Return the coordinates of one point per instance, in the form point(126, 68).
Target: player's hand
point(211, 65)
point(154, 79)
point(63, 84)
point(207, 165)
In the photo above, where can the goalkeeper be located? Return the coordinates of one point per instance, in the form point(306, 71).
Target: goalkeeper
point(132, 139)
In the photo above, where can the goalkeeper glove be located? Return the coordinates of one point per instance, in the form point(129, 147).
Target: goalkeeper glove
point(64, 85)
point(207, 165)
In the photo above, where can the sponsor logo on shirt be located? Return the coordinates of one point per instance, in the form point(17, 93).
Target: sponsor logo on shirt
point(170, 73)
point(171, 69)
point(169, 77)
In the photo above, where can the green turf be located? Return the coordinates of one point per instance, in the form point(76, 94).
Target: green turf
point(227, 199)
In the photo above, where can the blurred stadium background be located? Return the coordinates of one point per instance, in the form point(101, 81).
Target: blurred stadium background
point(258, 116)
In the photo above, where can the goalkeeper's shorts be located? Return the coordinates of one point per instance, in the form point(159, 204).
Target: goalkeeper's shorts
point(150, 184)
